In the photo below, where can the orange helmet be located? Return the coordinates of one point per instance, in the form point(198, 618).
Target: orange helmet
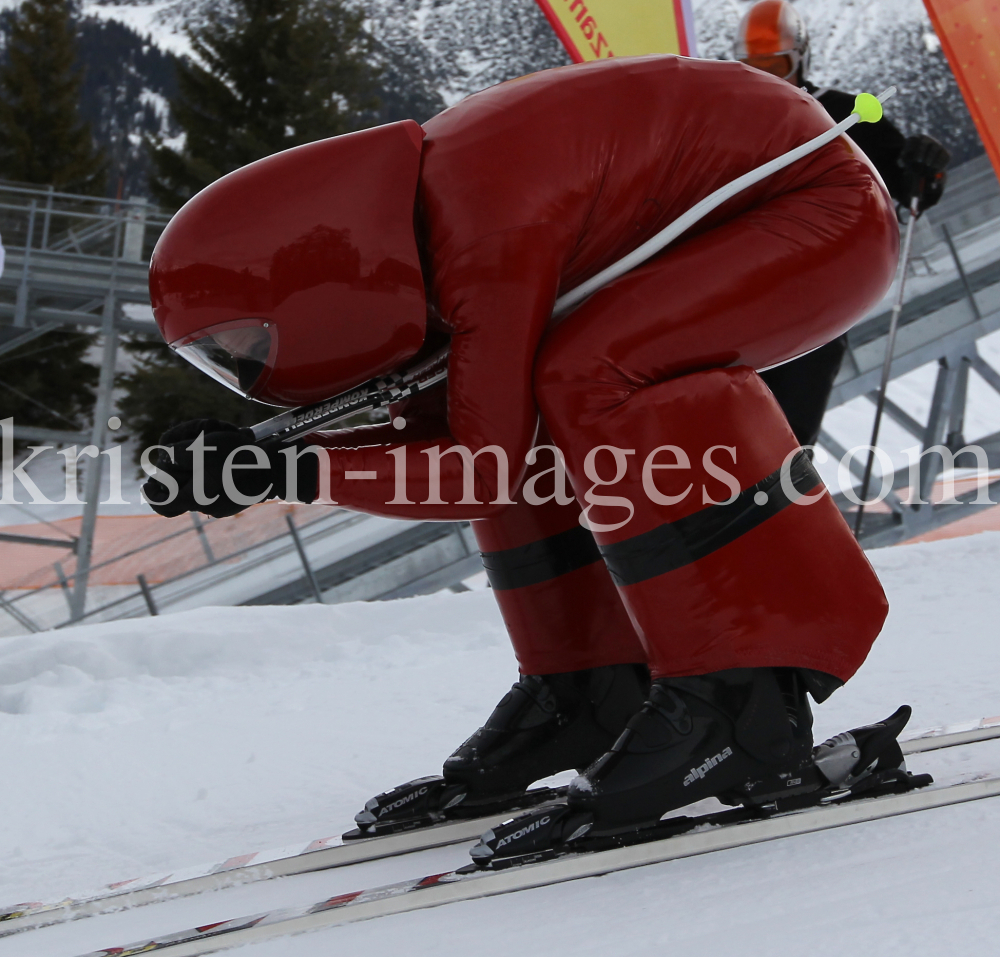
point(772, 37)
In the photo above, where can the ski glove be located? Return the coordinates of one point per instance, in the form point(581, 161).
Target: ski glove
point(256, 473)
point(923, 160)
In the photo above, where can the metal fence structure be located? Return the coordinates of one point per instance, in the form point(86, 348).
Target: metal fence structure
point(81, 261)
point(66, 255)
point(74, 261)
point(954, 301)
point(296, 553)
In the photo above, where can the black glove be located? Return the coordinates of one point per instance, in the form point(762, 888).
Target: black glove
point(266, 479)
point(923, 160)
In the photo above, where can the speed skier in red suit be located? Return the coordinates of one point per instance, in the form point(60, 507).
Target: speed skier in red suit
point(311, 271)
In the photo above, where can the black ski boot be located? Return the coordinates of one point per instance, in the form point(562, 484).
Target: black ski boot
point(546, 724)
point(742, 736)
point(543, 725)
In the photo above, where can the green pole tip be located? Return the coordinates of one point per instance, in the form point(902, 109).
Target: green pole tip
point(868, 108)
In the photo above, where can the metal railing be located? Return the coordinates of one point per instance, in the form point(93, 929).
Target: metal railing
point(73, 260)
point(66, 254)
point(15, 606)
point(954, 301)
point(45, 220)
point(427, 556)
point(68, 268)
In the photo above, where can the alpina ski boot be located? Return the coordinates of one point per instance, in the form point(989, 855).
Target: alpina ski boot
point(865, 762)
point(741, 736)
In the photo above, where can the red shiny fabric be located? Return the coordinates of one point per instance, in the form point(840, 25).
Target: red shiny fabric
point(531, 187)
point(568, 622)
point(773, 597)
point(316, 241)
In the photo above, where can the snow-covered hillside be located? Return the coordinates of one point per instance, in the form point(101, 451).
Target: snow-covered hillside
point(466, 45)
point(437, 51)
point(128, 80)
point(140, 746)
point(868, 45)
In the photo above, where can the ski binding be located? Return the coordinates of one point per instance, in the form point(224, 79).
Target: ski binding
point(431, 800)
point(863, 763)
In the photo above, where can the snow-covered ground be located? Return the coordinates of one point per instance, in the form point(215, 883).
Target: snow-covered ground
point(140, 746)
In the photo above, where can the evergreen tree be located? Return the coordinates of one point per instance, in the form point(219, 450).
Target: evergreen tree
point(43, 140)
point(42, 137)
point(127, 83)
point(272, 74)
point(48, 383)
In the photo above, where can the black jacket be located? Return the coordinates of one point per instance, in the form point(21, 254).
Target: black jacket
point(881, 141)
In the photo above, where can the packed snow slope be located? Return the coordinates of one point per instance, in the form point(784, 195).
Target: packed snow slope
point(139, 746)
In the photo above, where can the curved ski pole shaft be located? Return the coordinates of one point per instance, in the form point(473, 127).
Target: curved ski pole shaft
point(378, 393)
point(867, 109)
point(890, 347)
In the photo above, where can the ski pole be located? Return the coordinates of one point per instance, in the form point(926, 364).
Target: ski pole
point(378, 393)
point(890, 346)
point(374, 394)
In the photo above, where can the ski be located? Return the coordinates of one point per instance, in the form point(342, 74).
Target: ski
point(352, 847)
point(951, 736)
point(330, 852)
point(471, 882)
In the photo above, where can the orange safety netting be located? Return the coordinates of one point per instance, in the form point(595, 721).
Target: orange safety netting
point(129, 545)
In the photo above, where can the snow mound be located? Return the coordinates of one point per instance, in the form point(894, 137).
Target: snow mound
point(75, 670)
point(135, 746)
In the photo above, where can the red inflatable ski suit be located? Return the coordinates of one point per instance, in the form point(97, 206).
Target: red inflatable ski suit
point(531, 187)
point(713, 544)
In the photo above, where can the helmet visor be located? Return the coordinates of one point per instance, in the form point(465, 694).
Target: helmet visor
point(782, 65)
point(234, 357)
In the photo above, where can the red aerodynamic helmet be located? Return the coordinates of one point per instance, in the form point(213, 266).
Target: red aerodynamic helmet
point(297, 277)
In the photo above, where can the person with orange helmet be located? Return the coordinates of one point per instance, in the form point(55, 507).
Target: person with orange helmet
point(641, 504)
point(772, 36)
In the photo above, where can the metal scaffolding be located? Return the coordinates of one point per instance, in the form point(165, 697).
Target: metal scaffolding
point(74, 261)
point(952, 308)
point(77, 261)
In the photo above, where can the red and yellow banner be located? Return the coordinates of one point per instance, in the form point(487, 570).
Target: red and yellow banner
point(595, 29)
point(969, 31)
